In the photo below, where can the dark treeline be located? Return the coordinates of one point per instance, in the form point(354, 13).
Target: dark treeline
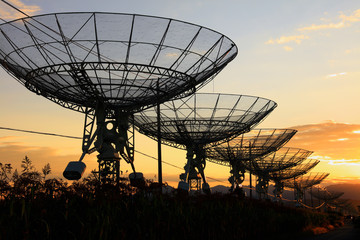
point(34, 207)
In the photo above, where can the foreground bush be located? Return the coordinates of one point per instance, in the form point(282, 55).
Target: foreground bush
point(144, 216)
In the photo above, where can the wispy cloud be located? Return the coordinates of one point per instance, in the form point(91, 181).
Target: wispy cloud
point(336, 75)
point(331, 161)
point(349, 162)
point(323, 26)
point(338, 141)
point(354, 17)
point(344, 21)
point(8, 13)
point(338, 180)
point(286, 39)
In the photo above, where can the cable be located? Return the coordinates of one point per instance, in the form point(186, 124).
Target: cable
point(66, 136)
point(41, 133)
point(157, 159)
point(144, 154)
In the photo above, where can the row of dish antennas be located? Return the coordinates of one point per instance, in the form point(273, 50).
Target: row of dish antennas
point(127, 71)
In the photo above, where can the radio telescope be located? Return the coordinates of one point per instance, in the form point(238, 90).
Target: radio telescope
point(290, 173)
point(282, 159)
point(202, 120)
point(245, 147)
point(108, 66)
point(300, 184)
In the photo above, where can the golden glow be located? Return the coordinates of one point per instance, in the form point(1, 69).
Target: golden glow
point(296, 61)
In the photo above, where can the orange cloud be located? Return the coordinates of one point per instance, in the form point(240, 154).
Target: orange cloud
point(339, 180)
point(338, 141)
point(8, 13)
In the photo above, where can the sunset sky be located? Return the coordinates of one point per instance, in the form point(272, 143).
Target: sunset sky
point(303, 54)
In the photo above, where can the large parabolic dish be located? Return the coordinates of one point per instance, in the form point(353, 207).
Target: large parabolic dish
point(202, 120)
point(110, 65)
point(128, 61)
point(245, 147)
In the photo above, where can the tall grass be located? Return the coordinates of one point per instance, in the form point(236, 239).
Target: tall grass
point(157, 217)
point(33, 207)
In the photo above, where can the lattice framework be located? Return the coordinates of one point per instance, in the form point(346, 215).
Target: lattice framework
point(128, 61)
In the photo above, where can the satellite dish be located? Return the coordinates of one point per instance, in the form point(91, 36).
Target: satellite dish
point(127, 61)
point(202, 120)
point(108, 66)
point(290, 173)
point(303, 182)
point(282, 159)
point(246, 147)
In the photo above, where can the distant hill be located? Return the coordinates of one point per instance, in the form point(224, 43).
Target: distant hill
point(351, 191)
point(220, 189)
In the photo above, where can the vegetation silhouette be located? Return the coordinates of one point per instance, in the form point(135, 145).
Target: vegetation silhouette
point(34, 207)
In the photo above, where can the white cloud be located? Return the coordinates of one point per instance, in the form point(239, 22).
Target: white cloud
point(331, 161)
point(339, 139)
point(336, 75)
point(348, 162)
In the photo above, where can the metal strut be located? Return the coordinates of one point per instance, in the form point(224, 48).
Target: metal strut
point(79, 74)
point(127, 151)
